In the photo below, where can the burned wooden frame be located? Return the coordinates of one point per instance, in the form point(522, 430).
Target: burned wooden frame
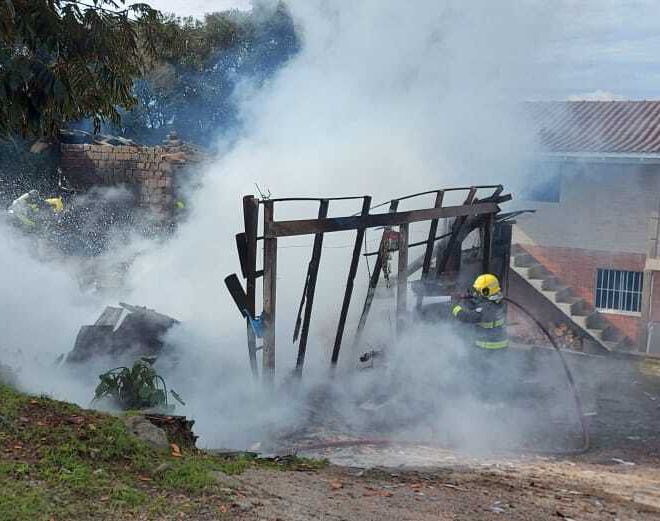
point(473, 214)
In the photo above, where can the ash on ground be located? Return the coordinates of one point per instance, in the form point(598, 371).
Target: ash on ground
point(379, 418)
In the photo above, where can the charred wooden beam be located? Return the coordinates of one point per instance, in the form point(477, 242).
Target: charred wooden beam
point(309, 290)
point(402, 279)
point(375, 277)
point(430, 245)
point(433, 229)
point(249, 267)
point(351, 277)
point(457, 228)
point(487, 243)
point(361, 222)
point(269, 295)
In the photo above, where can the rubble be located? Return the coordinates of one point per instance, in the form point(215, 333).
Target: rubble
point(121, 333)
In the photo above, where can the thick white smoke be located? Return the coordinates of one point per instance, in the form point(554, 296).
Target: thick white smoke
point(41, 309)
point(385, 98)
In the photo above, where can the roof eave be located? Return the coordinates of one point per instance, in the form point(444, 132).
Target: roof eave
point(602, 157)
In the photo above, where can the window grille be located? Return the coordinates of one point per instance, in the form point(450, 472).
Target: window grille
point(618, 290)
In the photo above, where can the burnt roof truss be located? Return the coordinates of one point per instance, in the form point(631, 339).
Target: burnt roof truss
point(474, 213)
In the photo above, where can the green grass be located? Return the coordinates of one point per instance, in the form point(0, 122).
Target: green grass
point(65, 463)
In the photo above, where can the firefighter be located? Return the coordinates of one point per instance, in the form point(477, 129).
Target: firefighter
point(484, 313)
point(485, 310)
point(32, 213)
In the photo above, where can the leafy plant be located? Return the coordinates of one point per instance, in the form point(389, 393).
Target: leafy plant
point(139, 387)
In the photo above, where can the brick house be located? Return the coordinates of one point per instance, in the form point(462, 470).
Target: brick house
point(588, 256)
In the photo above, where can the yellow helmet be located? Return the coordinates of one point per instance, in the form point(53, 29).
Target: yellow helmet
point(56, 204)
point(487, 285)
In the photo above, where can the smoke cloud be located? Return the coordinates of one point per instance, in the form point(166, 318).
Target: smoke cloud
point(386, 99)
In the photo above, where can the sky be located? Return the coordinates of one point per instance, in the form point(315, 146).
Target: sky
point(601, 48)
point(198, 7)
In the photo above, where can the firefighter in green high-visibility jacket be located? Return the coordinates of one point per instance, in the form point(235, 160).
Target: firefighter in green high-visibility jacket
point(33, 213)
point(483, 313)
point(486, 311)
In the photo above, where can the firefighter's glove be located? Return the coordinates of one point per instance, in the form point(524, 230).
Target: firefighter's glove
point(456, 310)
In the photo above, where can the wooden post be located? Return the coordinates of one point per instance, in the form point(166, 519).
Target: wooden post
point(402, 280)
point(430, 242)
point(312, 274)
point(269, 288)
point(373, 281)
point(430, 245)
point(251, 219)
point(366, 204)
point(441, 261)
point(487, 245)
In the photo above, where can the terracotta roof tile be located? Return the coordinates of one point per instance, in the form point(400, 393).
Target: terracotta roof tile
point(624, 127)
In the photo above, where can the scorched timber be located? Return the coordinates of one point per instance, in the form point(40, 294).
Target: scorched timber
point(313, 226)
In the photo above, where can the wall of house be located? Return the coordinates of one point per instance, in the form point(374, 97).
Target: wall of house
point(150, 172)
point(600, 221)
point(602, 207)
point(653, 327)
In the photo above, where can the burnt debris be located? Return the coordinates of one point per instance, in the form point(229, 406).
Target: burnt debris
point(445, 264)
point(121, 333)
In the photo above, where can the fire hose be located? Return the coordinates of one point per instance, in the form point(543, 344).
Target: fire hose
point(586, 442)
point(571, 383)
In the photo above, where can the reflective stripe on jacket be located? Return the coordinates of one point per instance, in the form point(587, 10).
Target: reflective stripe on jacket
point(489, 319)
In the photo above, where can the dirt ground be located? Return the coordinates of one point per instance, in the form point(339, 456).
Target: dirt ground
point(617, 479)
point(530, 490)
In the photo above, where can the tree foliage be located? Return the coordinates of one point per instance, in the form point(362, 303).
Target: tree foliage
point(88, 63)
point(66, 60)
point(190, 84)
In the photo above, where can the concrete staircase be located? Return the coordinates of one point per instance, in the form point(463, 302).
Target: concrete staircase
point(578, 311)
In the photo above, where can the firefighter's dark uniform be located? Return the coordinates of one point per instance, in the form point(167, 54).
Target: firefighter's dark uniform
point(489, 362)
point(489, 319)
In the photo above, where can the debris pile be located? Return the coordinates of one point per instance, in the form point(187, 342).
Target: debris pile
point(566, 338)
point(122, 333)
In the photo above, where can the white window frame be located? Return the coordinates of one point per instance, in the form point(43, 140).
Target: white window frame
point(612, 293)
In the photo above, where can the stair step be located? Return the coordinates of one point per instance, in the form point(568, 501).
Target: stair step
point(521, 271)
point(595, 333)
point(579, 311)
point(581, 308)
point(565, 294)
point(551, 283)
point(538, 272)
point(536, 283)
point(610, 346)
point(524, 260)
point(565, 308)
point(611, 334)
point(596, 321)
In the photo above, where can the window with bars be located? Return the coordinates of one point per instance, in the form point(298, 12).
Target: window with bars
point(618, 290)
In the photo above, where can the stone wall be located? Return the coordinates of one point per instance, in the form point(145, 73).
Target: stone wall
point(151, 173)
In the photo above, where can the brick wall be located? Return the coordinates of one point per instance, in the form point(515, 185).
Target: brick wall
point(577, 268)
point(150, 172)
